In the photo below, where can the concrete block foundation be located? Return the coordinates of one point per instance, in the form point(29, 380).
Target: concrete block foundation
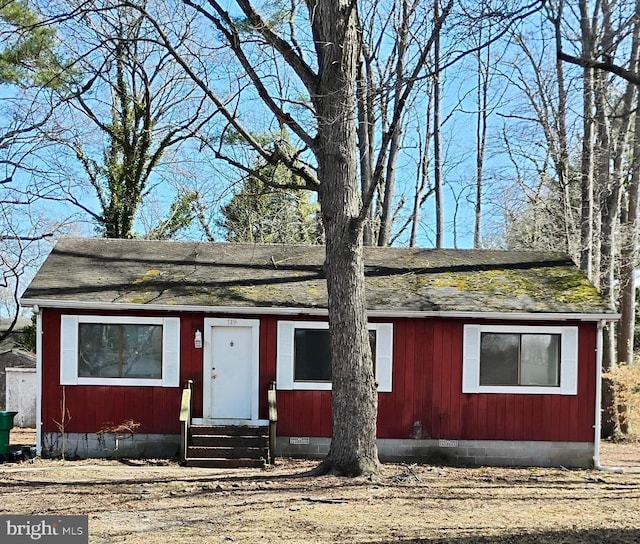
point(452, 452)
point(110, 445)
point(457, 452)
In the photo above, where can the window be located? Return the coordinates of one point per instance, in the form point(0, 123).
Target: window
point(529, 359)
point(519, 359)
point(311, 355)
point(108, 350)
point(304, 360)
point(119, 351)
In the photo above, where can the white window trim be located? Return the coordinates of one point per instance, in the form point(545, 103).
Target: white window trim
point(285, 355)
point(568, 361)
point(170, 350)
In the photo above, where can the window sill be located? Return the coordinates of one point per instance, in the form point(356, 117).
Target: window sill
point(312, 386)
point(140, 382)
point(517, 390)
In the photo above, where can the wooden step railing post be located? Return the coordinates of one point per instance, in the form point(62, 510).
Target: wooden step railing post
point(185, 420)
point(273, 419)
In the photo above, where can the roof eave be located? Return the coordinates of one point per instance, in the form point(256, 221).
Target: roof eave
point(267, 310)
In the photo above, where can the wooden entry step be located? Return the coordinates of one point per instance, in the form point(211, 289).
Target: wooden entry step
point(227, 446)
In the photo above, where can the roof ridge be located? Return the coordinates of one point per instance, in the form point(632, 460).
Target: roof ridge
point(313, 246)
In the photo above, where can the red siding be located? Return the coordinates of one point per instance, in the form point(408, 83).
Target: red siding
point(90, 408)
point(427, 386)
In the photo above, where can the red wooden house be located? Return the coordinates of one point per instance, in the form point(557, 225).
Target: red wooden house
point(485, 357)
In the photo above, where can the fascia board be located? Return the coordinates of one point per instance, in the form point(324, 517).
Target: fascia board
point(287, 311)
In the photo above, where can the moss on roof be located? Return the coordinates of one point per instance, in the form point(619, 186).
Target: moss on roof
point(243, 275)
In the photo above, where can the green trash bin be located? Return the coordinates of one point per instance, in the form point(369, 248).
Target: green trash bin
point(6, 424)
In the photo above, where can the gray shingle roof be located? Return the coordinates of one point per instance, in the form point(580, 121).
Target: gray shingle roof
point(99, 271)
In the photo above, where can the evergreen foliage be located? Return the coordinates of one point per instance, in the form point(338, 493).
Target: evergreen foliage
point(266, 214)
point(28, 54)
point(180, 217)
point(27, 338)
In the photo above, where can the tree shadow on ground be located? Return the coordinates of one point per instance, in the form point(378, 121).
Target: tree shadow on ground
point(578, 536)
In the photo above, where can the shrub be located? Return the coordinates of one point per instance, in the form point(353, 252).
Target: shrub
point(627, 380)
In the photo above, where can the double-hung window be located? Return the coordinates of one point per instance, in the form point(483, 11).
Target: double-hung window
point(119, 350)
point(303, 358)
point(520, 359)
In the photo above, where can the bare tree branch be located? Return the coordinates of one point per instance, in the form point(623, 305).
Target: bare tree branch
point(606, 65)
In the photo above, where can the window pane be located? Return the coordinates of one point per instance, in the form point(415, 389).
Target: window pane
point(499, 359)
point(312, 357)
point(312, 354)
point(540, 359)
point(119, 351)
point(372, 342)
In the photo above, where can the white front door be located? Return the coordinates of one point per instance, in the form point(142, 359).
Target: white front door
point(230, 374)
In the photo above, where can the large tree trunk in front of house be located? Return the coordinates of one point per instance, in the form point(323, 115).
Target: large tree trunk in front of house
point(353, 448)
point(354, 399)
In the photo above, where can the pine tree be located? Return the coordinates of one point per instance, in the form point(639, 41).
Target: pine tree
point(27, 56)
point(266, 214)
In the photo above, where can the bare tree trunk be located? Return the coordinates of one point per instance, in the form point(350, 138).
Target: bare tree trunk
point(561, 157)
point(629, 228)
point(365, 140)
point(605, 255)
point(481, 138)
point(437, 149)
point(629, 253)
point(386, 219)
point(629, 238)
point(586, 174)
point(608, 194)
point(422, 179)
point(628, 263)
point(354, 400)
point(591, 223)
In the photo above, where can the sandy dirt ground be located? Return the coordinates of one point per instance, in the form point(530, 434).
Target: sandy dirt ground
point(161, 502)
